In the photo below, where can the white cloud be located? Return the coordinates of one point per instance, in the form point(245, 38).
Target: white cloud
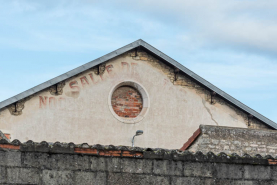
point(243, 24)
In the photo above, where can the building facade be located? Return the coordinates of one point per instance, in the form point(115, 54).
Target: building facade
point(133, 88)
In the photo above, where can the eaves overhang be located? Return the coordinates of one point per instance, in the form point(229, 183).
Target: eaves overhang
point(133, 45)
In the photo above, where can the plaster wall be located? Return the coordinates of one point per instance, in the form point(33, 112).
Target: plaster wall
point(82, 115)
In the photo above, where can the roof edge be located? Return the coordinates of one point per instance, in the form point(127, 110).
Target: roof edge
point(191, 139)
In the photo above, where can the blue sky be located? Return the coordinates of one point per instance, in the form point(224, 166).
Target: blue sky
point(232, 43)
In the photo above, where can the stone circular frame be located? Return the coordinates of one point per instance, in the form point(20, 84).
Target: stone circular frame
point(145, 102)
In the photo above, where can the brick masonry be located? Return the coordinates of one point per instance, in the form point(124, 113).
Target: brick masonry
point(127, 102)
point(41, 163)
point(234, 140)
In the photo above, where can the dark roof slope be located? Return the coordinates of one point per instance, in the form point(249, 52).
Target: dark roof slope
point(156, 52)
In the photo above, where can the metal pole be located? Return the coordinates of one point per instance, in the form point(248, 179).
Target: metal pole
point(133, 140)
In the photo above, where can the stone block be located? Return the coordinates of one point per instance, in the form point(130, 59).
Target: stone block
point(81, 162)
point(176, 168)
point(23, 175)
point(130, 165)
point(160, 167)
point(87, 178)
point(257, 172)
point(268, 182)
point(98, 163)
point(190, 180)
point(198, 169)
point(205, 141)
point(113, 164)
point(2, 158)
point(230, 171)
point(57, 161)
point(215, 141)
point(36, 160)
point(61, 162)
point(245, 144)
point(53, 177)
point(136, 179)
point(13, 158)
point(274, 173)
point(3, 174)
point(237, 182)
point(166, 167)
point(10, 158)
point(237, 143)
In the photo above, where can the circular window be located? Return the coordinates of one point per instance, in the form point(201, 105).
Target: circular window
point(128, 102)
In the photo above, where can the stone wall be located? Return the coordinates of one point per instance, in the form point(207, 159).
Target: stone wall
point(43, 163)
point(235, 140)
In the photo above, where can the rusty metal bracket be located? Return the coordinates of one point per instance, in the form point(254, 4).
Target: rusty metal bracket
point(213, 94)
point(57, 89)
point(176, 72)
point(16, 108)
point(250, 117)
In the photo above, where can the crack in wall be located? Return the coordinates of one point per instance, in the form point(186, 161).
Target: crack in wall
point(208, 110)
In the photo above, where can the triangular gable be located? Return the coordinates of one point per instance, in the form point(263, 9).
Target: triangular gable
point(143, 45)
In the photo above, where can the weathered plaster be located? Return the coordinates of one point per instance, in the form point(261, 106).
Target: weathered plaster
point(81, 113)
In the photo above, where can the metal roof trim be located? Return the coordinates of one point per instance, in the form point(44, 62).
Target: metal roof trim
point(124, 49)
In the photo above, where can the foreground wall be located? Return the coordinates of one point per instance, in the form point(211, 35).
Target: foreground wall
point(32, 163)
point(77, 110)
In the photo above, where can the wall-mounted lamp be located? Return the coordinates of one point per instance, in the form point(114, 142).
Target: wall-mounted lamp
point(138, 133)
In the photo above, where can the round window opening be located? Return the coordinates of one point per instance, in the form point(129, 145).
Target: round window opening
point(127, 102)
